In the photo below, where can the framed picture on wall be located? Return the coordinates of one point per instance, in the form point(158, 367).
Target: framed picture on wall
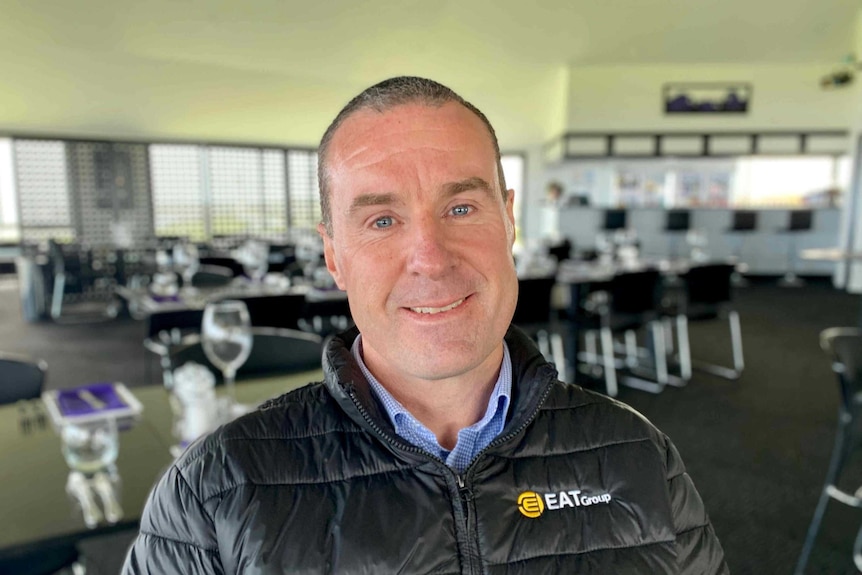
point(707, 97)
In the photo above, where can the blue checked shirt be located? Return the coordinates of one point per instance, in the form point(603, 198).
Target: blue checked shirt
point(471, 440)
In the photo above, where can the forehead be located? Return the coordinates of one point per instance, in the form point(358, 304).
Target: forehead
point(408, 136)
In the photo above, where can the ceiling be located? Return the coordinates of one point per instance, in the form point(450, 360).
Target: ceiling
point(277, 70)
point(347, 38)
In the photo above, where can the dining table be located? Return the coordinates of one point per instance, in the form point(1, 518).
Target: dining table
point(835, 254)
point(36, 511)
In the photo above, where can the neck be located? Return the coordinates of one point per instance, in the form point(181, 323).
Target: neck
point(444, 406)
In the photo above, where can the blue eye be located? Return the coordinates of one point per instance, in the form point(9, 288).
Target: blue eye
point(461, 210)
point(384, 222)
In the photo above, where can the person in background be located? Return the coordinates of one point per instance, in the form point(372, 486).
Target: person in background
point(440, 440)
point(554, 193)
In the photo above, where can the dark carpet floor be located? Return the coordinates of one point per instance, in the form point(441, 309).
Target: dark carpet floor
point(756, 448)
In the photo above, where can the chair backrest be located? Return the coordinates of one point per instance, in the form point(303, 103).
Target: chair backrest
point(273, 351)
point(210, 275)
point(224, 262)
point(615, 220)
point(185, 320)
point(534, 300)
point(561, 251)
point(844, 345)
point(635, 292)
point(744, 220)
point(20, 378)
point(800, 220)
point(677, 221)
point(281, 311)
point(709, 284)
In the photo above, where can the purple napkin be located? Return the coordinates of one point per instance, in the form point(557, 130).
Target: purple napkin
point(165, 298)
point(71, 403)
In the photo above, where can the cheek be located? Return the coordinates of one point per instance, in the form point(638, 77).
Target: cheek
point(365, 274)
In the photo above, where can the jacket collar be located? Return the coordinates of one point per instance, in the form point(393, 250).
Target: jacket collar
point(532, 377)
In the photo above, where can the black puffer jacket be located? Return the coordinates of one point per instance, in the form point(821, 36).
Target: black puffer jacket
point(318, 482)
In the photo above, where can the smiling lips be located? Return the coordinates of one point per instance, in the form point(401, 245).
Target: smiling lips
point(434, 310)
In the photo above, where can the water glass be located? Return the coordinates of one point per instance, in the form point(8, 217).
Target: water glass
point(226, 337)
point(90, 447)
point(186, 261)
point(254, 256)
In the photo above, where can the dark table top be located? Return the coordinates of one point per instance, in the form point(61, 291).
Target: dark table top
point(34, 506)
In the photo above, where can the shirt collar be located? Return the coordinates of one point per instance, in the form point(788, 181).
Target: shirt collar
point(407, 426)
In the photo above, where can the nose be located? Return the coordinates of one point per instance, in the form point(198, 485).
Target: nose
point(430, 250)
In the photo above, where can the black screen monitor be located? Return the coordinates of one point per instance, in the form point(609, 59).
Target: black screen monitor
point(616, 219)
point(800, 220)
point(744, 220)
point(677, 221)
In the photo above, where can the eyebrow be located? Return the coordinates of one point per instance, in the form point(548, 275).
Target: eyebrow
point(474, 183)
point(449, 190)
point(365, 200)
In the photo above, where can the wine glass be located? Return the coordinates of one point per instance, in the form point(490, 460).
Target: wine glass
point(186, 261)
point(226, 338)
point(254, 256)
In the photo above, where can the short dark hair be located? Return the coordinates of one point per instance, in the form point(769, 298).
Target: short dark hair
point(382, 97)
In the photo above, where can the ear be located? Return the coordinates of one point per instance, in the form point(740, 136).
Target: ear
point(329, 256)
point(510, 215)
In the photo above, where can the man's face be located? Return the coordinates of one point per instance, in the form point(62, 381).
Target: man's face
point(422, 240)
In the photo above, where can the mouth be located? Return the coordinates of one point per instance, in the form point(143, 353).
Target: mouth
point(436, 310)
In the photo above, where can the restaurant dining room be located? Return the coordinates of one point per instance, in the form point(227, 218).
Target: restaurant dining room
point(687, 208)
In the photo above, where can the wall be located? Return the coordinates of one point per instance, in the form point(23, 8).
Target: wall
point(785, 96)
point(766, 251)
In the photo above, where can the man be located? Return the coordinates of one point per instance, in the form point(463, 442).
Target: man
point(440, 440)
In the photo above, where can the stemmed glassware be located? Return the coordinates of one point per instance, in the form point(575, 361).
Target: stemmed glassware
point(226, 338)
point(254, 256)
point(186, 261)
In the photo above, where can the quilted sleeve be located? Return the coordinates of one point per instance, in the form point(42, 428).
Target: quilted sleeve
point(177, 535)
point(698, 548)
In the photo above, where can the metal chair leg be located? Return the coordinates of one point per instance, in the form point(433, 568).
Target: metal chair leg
point(542, 340)
point(836, 462)
point(57, 299)
point(631, 348)
point(684, 347)
point(736, 341)
point(608, 361)
point(659, 353)
point(559, 356)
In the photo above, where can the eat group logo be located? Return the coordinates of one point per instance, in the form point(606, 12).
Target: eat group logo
point(532, 504)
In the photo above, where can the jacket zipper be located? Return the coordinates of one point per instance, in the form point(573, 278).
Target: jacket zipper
point(463, 492)
point(471, 556)
point(472, 562)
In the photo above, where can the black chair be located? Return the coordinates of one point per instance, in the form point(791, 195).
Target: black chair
point(74, 278)
point(631, 301)
point(677, 222)
point(325, 316)
point(708, 295)
point(561, 251)
point(210, 276)
point(223, 262)
point(273, 351)
point(21, 378)
point(798, 222)
point(281, 311)
point(844, 346)
point(55, 559)
point(615, 220)
point(534, 315)
point(168, 328)
point(743, 223)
